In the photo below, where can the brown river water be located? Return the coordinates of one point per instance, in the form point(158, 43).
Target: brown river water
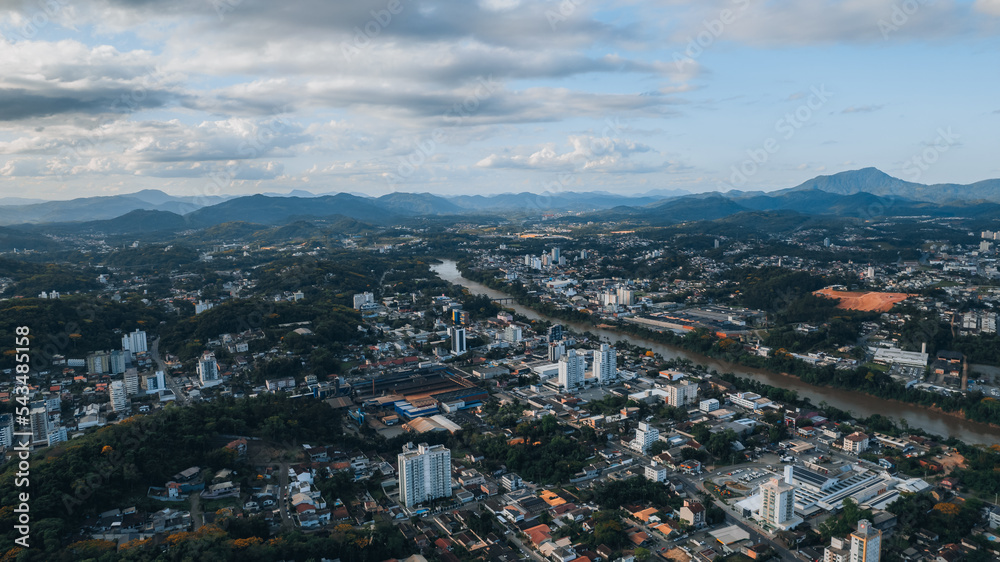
point(862, 405)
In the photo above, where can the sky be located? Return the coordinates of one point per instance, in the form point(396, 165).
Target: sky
point(233, 97)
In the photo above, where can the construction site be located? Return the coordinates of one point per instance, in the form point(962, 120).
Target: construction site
point(863, 301)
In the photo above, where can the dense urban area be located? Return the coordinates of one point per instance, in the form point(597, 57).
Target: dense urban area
point(554, 388)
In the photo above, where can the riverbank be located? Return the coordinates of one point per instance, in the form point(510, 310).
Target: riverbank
point(930, 417)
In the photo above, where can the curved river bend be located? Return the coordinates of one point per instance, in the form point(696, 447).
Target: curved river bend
point(859, 404)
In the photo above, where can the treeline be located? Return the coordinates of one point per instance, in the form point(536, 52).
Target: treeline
point(30, 279)
point(72, 326)
point(330, 322)
point(233, 539)
point(155, 258)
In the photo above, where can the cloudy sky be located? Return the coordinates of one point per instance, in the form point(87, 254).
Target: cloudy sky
point(243, 96)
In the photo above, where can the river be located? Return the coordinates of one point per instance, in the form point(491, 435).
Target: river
point(862, 405)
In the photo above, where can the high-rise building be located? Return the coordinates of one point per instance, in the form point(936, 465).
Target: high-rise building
point(6, 430)
point(39, 423)
point(556, 350)
point(154, 383)
point(460, 317)
point(571, 370)
point(56, 435)
point(116, 362)
point(98, 363)
point(555, 254)
point(119, 401)
point(458, 343)
point(362, 299)
point(134, 342)
point(131, 380)
point(512, 334)
point(53, 402)
point(778, 505)
point(682, 393)
point(645, 436)
point(866, 543)
point(208, 369)
point(605, 364)
point(555, 332)
point(626, 297)
point(424, 473)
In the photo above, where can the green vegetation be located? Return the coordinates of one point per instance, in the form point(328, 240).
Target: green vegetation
point(115, 465)
point(546, 455)
point(72, 326)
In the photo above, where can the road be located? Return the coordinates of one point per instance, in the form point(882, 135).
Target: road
point(196, 515)
point(286, 519)
point(172, 384)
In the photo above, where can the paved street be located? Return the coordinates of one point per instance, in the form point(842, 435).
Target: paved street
point(172, 384)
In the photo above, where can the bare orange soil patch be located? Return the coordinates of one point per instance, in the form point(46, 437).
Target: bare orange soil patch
point(868, 302)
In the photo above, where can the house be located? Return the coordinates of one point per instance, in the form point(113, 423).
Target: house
point(693, 513)
point(222, 490)
point(539, 535)
point(949, 483)
point(187, 475)
point(638, 538)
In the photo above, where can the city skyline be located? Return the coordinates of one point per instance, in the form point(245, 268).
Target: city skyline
point(234, 97)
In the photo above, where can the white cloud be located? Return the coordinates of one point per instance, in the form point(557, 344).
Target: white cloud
point(588, 153)
point(990, 7)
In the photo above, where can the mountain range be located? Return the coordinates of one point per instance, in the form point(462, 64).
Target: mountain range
point(864, 193)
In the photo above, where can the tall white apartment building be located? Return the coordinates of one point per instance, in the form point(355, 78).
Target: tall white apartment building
point(571, 369)
point(866, 543)
point(778, 505)
point(119, 401)
point(458, 343)
point(131, 380)
point(626, 297)
point(208, 369)
point(134, 342)
point(512, 334)
point(645, 436)
point(424, 473)
point(605, 364)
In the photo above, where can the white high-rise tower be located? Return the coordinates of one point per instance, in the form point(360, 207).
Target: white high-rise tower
point(424, 473)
